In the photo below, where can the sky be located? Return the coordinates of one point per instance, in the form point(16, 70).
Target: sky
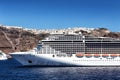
point(59, 14)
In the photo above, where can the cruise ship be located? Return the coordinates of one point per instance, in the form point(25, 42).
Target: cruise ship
point(72, 50)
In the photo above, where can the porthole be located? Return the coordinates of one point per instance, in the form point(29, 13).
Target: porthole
point(53, 55)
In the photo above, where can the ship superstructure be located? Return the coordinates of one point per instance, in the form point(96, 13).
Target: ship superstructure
point(73, 50)
point(72, 44)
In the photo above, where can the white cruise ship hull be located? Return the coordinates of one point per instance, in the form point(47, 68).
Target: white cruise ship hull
point(28, 59)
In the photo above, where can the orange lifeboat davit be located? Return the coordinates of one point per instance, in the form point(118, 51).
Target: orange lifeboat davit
point(88, 55)
point(105, 55)
point(96, 55)
point(113, 55)
point(119, 55)
point(80, 55)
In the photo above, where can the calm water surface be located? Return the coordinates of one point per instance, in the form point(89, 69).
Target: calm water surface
point(10, 70)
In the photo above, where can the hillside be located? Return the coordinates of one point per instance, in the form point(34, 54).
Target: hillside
point(18, 39)
point(100, 32)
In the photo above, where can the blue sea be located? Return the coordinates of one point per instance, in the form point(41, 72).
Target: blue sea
point(12, 70)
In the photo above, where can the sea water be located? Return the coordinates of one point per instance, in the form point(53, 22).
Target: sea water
point(12, 70)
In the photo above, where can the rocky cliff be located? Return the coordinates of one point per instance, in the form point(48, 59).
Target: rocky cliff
point(18, 39)
point(101, 32)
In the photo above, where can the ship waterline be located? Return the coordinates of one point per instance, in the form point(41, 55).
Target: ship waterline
point(72, 50)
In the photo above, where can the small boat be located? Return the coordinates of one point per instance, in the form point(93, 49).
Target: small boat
point(113, 55)
point(96, 55)
point(88, 55)
point(3, 56)
point(105, 55)
point(79, 55)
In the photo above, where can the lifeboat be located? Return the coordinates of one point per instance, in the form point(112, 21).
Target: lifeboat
point(113, 55)
point(96, 55)
point(119, 55)
point(88, 55)
point(105, 55)
point(79, 55)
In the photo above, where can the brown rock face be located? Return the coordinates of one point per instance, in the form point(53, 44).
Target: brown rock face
point(15, 39)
